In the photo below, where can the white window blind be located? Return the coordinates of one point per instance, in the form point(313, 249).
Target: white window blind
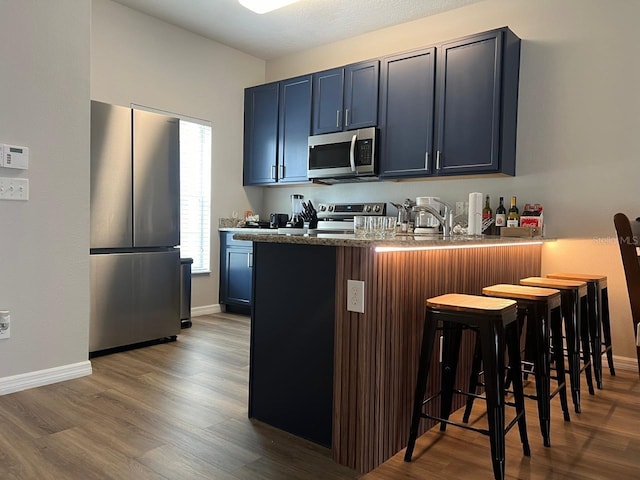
point(195, 193)
point(195, 189)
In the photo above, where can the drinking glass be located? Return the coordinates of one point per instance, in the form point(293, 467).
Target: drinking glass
point(389, 227)
point(360, 226)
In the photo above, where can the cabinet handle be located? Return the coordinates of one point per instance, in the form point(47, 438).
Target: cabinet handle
point(273, 172)
point(249, 260)
point(337, 118)
point(438, 160)
point(426, 160)
point(281, 172)
point(346, 117)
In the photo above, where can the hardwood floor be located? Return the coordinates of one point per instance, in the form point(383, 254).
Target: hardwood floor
point(179, 411)
point(171, 411)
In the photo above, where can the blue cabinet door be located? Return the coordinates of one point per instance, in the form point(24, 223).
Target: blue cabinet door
point(260, 134)
point(328, 88)
point(406, 114)
point(294, 129)
point(346, 98)
point(477, 104)
point(361, 95)
point(239, 275)
point(236, 270)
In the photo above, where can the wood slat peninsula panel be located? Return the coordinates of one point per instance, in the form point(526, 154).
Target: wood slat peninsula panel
point(376, 353)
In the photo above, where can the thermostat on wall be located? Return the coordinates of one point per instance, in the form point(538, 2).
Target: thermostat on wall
point(13, 156)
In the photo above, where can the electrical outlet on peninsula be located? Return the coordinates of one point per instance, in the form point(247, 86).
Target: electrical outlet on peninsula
point(355, 296)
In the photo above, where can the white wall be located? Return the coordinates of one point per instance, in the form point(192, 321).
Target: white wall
point(578, 123)
point(44, 242)
point(138, 59)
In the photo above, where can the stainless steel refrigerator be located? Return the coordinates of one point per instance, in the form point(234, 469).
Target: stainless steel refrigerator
point(135, 227)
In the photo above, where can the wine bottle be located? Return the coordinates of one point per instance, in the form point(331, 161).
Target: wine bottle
point(513, 216)
point(487, 214)
point(501, 216)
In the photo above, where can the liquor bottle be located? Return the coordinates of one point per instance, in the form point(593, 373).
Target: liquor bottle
point(501, 216)
point(487, 215)
point(513, 216)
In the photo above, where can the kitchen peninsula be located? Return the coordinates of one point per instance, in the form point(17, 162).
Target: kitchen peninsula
point(345, 379)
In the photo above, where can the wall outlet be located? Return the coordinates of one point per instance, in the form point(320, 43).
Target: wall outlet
point(355, 296)
point(5, 324)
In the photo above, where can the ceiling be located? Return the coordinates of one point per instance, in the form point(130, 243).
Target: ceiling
point(297, 27)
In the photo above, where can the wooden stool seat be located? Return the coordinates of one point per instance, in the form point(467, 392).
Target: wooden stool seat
point(541, 307)
point(557, 283)
point(574, 312)
point(551, 295)
point(471, 303)
point(495, 321)
point(599, 322)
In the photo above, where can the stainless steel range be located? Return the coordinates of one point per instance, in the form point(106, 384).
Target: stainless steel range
point(338, 217)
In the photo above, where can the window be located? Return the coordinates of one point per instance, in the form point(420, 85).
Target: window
point(195, 193)
point(195, 189)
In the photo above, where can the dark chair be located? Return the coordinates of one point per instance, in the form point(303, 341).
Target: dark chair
point(629, 240)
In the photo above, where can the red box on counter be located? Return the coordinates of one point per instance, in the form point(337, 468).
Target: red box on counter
point(532, 216)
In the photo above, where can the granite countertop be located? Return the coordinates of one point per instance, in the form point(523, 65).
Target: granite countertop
point(263, 231)
point(400, 241)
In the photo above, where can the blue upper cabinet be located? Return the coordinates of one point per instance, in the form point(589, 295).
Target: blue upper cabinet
point(328, 94)
point(346, 98)
point(406, 114)
point(277, 123)
point(294, 129)
point(476, 104)
point(260, 134)
point(361, 95)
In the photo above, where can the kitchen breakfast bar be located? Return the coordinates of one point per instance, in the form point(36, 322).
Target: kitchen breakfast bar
point(344, 379)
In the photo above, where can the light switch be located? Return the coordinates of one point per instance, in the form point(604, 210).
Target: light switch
point(14, 189)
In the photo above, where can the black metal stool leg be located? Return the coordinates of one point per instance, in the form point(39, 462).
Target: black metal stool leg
point(572, 330)
point(583, 321)
point(540, 330)
point(428, 338)
point(513, 346)
point(494, 387)
point(473, 379)
point(606, 329)
point(450, 354)
point(556, 335)
point(593, 316)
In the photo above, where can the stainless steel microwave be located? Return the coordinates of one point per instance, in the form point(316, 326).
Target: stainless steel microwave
point(343, 155)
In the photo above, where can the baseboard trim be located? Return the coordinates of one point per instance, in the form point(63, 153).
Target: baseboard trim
point(621, 363)
point(24, 381)
point(205, 310)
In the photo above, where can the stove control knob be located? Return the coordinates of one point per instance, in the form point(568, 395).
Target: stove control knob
point(331, 208)
point(323, 208)
point(376, 209)
point(367, 208)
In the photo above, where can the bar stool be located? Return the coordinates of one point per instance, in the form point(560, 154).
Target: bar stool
point(541, 306)
point(574, 309)
point(495, 321)
point(599, 323)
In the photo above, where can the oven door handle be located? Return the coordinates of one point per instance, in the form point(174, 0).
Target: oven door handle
point(352, 153)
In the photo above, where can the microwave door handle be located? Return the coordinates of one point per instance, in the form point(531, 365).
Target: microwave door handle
point(352, 153)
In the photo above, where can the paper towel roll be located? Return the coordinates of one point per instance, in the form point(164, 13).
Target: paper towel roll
point(475, 214)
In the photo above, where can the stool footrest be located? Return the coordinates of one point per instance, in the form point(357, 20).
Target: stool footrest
point(483, 431)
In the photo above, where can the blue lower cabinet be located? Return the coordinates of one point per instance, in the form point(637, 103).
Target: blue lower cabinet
point(236, 266)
